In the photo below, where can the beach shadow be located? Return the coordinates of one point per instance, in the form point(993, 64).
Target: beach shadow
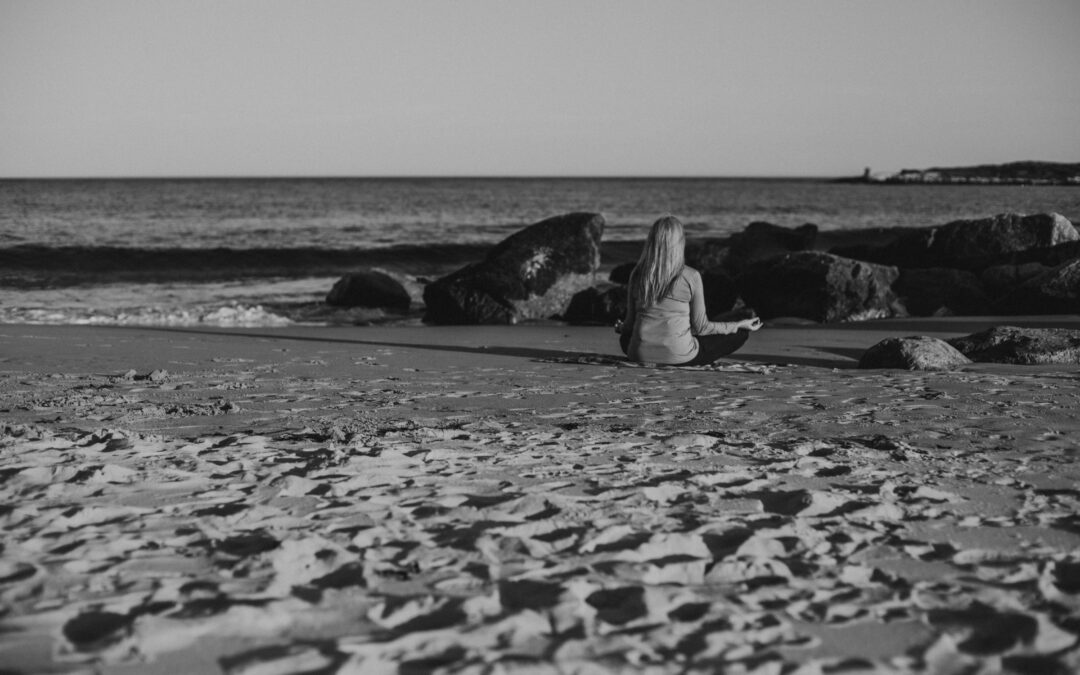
point(608, 359)
point(585, 358)
point(853, 353)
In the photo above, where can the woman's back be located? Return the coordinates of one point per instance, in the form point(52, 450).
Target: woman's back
point(663, 331)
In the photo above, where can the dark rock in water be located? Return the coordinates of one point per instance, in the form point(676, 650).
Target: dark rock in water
point(970, 244)
point(708, 253)
point(1055, 291)
point(1026, 346)
point(369, 288)
point(762, 241)
point(532, 274)
point(621, 274)
point(598, 305)
point(721, 292)
point(917, 352)
point(820, 287)
point(941, 292)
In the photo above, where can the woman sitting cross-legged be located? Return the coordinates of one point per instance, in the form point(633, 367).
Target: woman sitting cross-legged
point(665, 313)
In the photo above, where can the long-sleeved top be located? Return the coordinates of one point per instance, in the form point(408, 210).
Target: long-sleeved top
point(665, 331)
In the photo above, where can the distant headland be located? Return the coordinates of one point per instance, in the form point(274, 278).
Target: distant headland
point(1012, 173)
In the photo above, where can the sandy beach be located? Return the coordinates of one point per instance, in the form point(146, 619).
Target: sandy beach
point(309, 362)
point(520, 499)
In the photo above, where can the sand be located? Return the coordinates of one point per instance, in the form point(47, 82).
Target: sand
point(520, 500)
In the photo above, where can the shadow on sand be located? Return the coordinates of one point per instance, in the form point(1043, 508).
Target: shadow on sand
point(522, 352)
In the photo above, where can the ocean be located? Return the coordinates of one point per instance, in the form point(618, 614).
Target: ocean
point(264, 251)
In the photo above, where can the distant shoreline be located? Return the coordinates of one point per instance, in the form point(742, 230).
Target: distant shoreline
point(1012, 173)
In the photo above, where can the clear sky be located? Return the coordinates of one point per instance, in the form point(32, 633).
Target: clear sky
point(538, 87)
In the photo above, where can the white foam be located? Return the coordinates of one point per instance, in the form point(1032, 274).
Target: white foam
point(227, 316)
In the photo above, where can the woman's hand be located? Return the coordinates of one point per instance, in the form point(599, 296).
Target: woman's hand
point(749, 324)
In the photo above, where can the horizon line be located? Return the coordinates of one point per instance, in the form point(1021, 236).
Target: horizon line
point(434, 177)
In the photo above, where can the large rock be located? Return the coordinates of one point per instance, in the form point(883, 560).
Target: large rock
point(820, 287)
point(1054, 291)
point(971, 244)
point(601, 305)
point(1027, 346)
point(904, 247)
point(721, 292)
point(369, 288)
point(941, 292)
point(707, 253)
point(1000, 280)
point(917, 352)
point(532, 274)
point(620, 274)
point(762, 241)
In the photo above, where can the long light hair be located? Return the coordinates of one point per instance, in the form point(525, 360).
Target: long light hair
point(661, 262)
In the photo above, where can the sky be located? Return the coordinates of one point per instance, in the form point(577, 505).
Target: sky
point(539, 87)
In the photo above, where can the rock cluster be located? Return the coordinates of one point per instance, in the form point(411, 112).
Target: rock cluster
point(1004, 264)
point(968, 244)
point(1000, 344)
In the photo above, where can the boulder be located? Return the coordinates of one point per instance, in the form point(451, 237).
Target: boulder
point(971, 244)
point(1026, 346)
point(901, 247)
point(721, 292)
point(820, 287)
point(941, 291)
point(1054, 291)
point(762, 241)
point(707, 253)
point(917, 352)
point(601, 305)
point(1051, 257)
point(621, 273)
point(1000, 280)
point(531, 274)
point(369, 288)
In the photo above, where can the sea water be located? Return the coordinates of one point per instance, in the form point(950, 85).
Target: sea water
point(57, 236)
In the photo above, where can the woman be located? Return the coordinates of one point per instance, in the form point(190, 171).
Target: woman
point(665, 313)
